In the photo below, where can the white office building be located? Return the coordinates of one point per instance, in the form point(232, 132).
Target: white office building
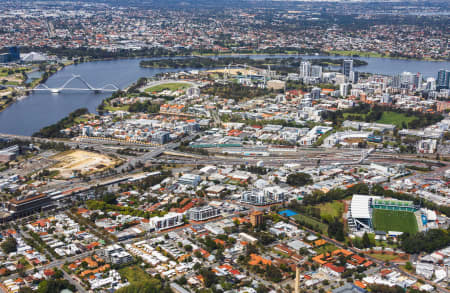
point(267, 196)
point(116, 254)
point(343, 89)
point(167, 221)
point(189, 179)
point(203, 213)
point(305, 69)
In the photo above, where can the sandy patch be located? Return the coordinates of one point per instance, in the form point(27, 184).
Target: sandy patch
point(81, 162)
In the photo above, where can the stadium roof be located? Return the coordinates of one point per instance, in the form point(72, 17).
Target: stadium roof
point(360, 206)
point(33, 57)
point(393, 202)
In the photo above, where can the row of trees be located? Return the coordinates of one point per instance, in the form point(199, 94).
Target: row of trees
point(428, 241)
point(97, 53)
point(54, 130)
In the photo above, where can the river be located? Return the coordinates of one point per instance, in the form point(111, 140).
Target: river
point(43, 108)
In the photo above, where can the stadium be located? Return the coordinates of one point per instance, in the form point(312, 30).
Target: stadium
point(368, 213)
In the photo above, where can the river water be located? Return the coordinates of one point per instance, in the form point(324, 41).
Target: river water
point(43, 108)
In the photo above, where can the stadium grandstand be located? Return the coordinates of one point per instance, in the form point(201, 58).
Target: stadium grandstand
point(360, 213)
point(394, 205)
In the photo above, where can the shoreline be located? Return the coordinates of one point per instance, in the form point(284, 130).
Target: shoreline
point(34, 84)
point(322, 54)
point(318, 54)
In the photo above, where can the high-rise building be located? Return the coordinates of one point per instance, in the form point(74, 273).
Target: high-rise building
point(431, 84)
point(354, 76)
point(4, 58)
point(315, 93)
point(316, 71)
point(386, 99)
point(256, 218)
point(305, 69)
point(14, 53)
point(347, 67)
point(396, 81)
point(343, 89)
point(443, 79)
point(404, 80)
point(417, 82)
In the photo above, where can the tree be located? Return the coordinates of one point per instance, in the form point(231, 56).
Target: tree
point(9, 245)
point(386, 289)
point(408, 266)
point(273, 273)
point(366, 240)
point(299, 179)
point(109, 198)
point(336, 230)
point(428, 241)
point(209, 277)
point(50, 286)
point(151, 286)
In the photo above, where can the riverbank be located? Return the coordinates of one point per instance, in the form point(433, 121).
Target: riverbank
point(42, 108)
point(27, 90)
point(355, 54)
point(378, 55)
point(287, 52)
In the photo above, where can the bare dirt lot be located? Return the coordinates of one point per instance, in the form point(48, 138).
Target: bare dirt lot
point(75, 162)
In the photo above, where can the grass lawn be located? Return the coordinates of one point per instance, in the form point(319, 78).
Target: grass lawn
point(134, 274)
point(388, 117)
point(121, 108)
point(325, 248)
point(395, 221)
point(174, 86)
point(81, 120)
point(311, 221)
point(12, 83)
point(395, 118)
point(383, 257)
point(331, 209)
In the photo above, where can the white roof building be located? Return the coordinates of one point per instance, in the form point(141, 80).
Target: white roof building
point(33, 57)
point(360, 214)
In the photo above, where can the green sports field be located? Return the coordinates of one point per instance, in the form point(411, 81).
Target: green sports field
point(401, 221)
point(171, 86)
